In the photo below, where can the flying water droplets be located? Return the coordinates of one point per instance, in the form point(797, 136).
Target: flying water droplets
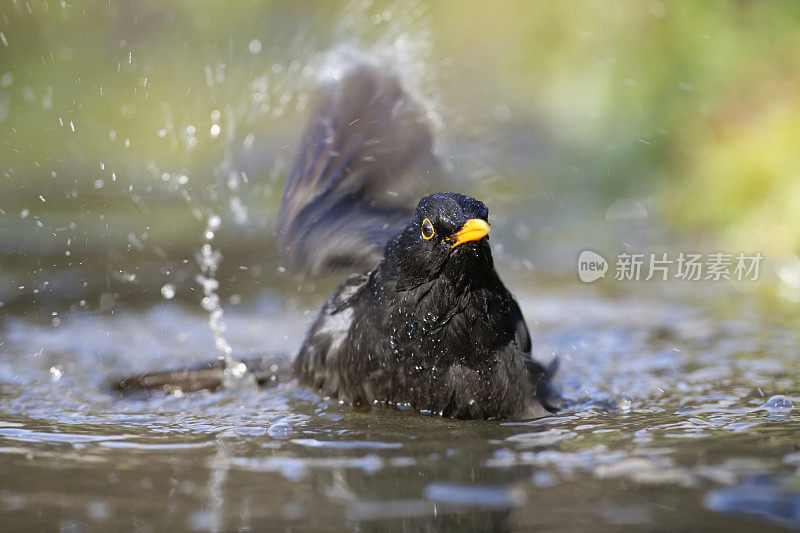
point(213, 225)
point(55, 373)
point(209, 259)
point(254, 47)
point(168, 291)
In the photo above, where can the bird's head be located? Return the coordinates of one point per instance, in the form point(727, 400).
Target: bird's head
point(446, 235)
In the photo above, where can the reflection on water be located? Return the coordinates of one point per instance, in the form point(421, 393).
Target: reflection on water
point(668, 407)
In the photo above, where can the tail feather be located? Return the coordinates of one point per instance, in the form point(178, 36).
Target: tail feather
point(549, 393)
point(363, 161)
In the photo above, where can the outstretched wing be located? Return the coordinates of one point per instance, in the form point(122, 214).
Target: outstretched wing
point(363, 158)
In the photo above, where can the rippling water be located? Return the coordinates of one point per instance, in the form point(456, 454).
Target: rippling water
point(678, 415)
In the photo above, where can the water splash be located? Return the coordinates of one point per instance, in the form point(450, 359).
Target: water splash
point(209, 258)
point(365, 34)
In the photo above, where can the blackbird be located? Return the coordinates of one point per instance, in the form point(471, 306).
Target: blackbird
point(431, 325)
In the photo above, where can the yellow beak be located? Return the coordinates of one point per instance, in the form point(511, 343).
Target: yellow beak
point(473, 229)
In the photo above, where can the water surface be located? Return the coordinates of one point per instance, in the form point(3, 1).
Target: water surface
point(681, 411)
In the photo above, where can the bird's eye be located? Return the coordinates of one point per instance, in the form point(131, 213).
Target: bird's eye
point(427, 230)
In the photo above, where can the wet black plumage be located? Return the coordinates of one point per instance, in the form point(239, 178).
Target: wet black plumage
point(431, 325)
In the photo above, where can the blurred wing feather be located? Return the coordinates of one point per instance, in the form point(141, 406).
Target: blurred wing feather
point(363, 160)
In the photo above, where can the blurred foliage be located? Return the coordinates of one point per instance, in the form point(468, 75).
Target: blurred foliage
point(694, 102)
point(741, 173)
point(124, 124)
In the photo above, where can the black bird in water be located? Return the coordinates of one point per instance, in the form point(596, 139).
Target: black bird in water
point(431, 325)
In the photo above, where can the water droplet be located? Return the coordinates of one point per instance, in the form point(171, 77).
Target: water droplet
point(778, 403)
point(254, 46)
point(280, 430)
point(168, 291)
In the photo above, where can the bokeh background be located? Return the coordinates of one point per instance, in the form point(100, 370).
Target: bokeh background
point(612, 125)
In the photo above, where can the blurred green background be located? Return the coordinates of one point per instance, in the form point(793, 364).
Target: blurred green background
point(595, 124)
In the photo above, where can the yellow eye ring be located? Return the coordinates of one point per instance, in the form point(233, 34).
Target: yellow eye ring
point(427, 230)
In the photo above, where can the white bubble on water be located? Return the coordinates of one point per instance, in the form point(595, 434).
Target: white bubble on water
point(280, 430)
point(778, 403)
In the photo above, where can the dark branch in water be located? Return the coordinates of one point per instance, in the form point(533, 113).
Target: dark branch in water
point(268, 370)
